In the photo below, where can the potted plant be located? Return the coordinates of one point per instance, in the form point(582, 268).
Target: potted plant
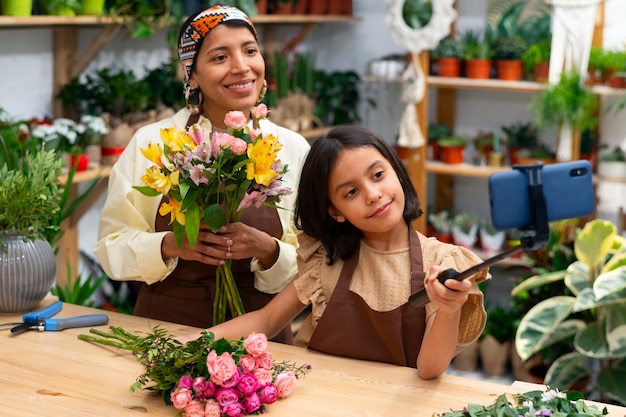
point(62, 7)
point(536, 61)
point(448, 55)
point(567, 102)
point(495, 343)
point(598, 66)
point(442, 224)
point(336, 97)
point(613, 164)
point(465, 229)
point(615, 62)
point(491, 239)
point(520, 135)
point(593, 314)
point(435, 132)
point(477, 55)
point(452, 148)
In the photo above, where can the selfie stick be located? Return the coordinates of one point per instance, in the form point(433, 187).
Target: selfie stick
point(537, 234)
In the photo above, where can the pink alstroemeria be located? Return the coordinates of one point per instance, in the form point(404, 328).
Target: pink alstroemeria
point(197, 175)
point(254, 197)
point(196, 133)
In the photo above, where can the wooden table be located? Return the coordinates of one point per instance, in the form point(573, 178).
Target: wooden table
point(56, 374)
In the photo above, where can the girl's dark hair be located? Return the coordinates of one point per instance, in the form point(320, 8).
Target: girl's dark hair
point(341, 240)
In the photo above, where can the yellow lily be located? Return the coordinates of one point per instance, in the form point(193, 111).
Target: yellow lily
point(173, 207)
point(262, 153)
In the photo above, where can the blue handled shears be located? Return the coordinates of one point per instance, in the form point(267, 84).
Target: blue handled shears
point(41, 320)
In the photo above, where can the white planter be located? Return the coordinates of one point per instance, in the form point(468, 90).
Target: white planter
point(492, 244)
point(612, 169)
point(461, 238)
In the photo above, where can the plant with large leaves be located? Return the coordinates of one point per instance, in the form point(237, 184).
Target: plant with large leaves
point(595, 315)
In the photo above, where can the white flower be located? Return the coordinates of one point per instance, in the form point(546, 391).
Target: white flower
point(94, 124)
point(552, 394)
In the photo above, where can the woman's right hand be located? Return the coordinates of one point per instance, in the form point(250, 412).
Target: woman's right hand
point(210, 248)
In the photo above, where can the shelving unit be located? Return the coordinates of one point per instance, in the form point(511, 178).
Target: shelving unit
point(69, 62)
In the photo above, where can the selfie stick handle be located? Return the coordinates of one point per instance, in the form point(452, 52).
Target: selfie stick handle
point(538, 235)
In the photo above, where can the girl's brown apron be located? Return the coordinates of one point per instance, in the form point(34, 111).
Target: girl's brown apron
point(186, 295)
point(349, 327)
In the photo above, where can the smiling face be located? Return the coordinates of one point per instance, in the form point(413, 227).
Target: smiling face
point(364, 189)
point(229, 70)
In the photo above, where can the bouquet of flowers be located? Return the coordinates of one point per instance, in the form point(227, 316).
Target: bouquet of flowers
point(211, 180)
point(533, 403)
point(207, 377)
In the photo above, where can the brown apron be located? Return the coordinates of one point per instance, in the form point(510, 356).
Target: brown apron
point(349, 327)
point(186, 295)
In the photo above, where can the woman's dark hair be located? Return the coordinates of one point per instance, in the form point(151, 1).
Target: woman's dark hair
point(341, 240)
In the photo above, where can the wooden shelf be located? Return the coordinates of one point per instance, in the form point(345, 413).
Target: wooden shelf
point(88, 175)
point(43, 21)
point(466, 170)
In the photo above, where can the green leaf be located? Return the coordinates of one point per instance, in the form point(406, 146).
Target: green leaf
point(611, 381)
point(214, 217)
point(577, 277)
point(611, 283)
point(192, 223)
point(540, 324)
point(566, 370)
point(538, 281)
point(594, 241)
point(592, 341)
point(179, 233)
point(147, 191)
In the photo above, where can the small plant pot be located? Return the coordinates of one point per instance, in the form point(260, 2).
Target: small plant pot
point(612, 169)
point(541, 72)
point(509, 70)
point(478, 69)
point(616, 81)
point(495, 159)
point(449, 67)
point(16, 7)
point(451, 154)
point(492, 244)
point(81, 161)
point(465, 239)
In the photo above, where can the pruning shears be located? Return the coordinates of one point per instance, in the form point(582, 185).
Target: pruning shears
point(41, 320)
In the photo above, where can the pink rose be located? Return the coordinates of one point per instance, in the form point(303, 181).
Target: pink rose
point(233, 410)
point(255, 344)
point(252, 403)
point(221, 367)
point(212, 409)
point(247, 384)
point(264, 376)
point(194, 409)
point(268, 394)
point(200, 384)
point(180, 398)
point(255, 133)
point(226, 396)
point(185, 381)
point(233, 380)
point(247, 363)
point(264, 360)
point(210, 389)
point(238, 146)
point(260, 111)
point(235, 119)
point(285, 383)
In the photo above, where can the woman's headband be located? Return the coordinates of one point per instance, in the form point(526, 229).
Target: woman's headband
point(197, 28)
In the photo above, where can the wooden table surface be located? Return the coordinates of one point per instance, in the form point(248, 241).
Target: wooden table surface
point(56, 374)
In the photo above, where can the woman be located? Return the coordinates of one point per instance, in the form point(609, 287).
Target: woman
point(223, 71)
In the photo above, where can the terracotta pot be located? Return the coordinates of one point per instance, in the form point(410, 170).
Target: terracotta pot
point(285, 8)
point(452, 154)
point(478, 69)
point(261, 6)
point(434, 153)
point(318, 6)
point(334, 7)
point(301, 6)
point(402, 151)
point(541, 72)
point(449, 67)
point(509, 70)
point(616, 81)
point(444, 237)
point(513, 151)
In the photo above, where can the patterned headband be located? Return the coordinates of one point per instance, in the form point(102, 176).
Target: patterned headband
point(200, 26)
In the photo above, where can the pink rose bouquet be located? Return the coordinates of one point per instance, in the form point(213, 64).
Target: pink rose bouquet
point(207, 377)
point(209, 179)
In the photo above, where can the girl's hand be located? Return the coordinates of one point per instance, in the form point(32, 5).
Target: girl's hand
point(448, 298)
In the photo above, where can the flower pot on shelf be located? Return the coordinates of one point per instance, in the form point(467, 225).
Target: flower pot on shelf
point(92, 7)
point(81, 161)
point(451, 154)
point(509, 69)
point(261, 6)
point(616, 80)
point(492, 243)
point(300, 6)
point(449, 67)
point(541, 72)
point(465, 239)
point(317, 6)
point(612, 169)
point(478, 69)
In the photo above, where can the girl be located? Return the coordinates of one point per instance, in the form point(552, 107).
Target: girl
point(359, 260)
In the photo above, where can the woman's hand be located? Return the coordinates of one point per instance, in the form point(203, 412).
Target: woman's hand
point(448, 298)
point(235, 241)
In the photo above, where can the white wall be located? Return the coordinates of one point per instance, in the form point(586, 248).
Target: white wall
point(26, 81)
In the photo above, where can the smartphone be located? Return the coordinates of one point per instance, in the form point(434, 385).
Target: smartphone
point(567, 189)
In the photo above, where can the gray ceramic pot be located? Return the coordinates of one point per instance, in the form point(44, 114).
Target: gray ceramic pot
point(27, 273)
